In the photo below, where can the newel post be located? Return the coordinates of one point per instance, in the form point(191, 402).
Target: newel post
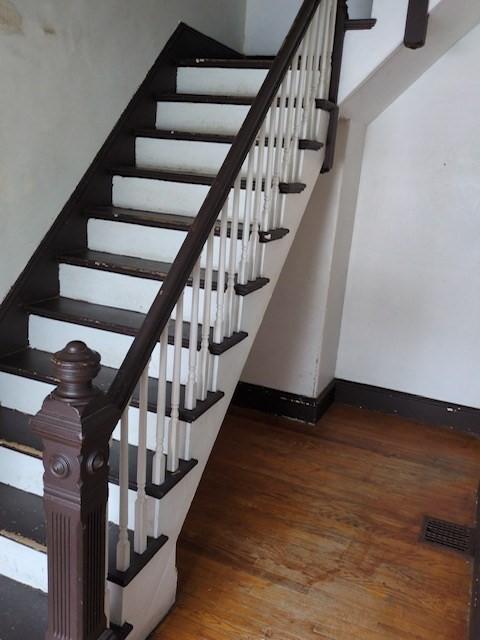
point(75, 424)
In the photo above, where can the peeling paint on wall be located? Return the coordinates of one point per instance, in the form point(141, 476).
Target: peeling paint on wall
point(10, 20)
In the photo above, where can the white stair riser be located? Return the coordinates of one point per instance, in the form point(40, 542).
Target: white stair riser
point(144, 242)
point(52, 335)
point(181, 155)
point(27, 396)
point(218, 81)
point(119, 291)
point(224, 119)
point(158, 195)
point(185, 156)
point(23, 564)
point(154, 196)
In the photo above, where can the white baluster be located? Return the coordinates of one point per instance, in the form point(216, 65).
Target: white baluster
point(191, 390)
point(266, 216)
point(159, 464)
point(232, 268)
point(279, 153)
point(326, 66)
point(311, 74)
point(173, 449)
point(219, 327)
point(293, 170)
point(320, 29)
point(140, 538)
point(123, 544)
point(243, 270)
point(257, 202)
point(204, 358)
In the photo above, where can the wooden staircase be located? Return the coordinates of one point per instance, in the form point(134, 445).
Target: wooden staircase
point(163, 262)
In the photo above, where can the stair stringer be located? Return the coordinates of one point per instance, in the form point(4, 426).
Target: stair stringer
point(130, 603)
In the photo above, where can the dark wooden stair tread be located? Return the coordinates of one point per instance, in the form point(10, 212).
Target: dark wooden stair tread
point(185, 136)
point(120, 321)
point(37, 365)
point(126, 265)
point(171, 221)
point(16, 434)
point(22, 518)
point(360, 24)
point(234, 63)
point(24, 613)
point(205, 98)
point(192, 178)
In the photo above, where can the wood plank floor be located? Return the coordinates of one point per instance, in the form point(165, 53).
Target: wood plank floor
point(311, 533)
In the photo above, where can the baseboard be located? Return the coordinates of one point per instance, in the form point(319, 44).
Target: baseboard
point(426, 410)
point(435, 412)
point(282, 403)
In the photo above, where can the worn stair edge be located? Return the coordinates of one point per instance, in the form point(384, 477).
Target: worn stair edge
point(251, 286)
point(116, 320)
point(36, 365)
point(220, 63)
point(360, 24)
point(22, 519)
point(185, 177)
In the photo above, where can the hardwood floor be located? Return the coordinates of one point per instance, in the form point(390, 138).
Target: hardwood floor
point(300, 533)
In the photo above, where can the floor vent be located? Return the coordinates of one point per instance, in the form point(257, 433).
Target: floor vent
point(449, 535)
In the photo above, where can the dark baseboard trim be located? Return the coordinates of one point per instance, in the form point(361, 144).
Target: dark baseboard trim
point(434, 412)
point(282, 403)
point(290, 405)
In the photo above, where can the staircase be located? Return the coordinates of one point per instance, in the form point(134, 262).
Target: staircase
point(163, 262)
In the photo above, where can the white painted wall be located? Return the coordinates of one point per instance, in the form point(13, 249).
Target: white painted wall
point(68, 69)
point(412, 307)
point(268, 22)
point(296, 347)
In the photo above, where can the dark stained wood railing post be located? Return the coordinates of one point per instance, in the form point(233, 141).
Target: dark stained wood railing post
point(75, 425)
point(337, 55)
point(417, 24)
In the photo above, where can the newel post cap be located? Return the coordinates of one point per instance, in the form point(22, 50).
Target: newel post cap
point(75, 367)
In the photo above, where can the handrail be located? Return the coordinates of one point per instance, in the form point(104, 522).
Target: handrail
point(160, 312)
point(417, 24)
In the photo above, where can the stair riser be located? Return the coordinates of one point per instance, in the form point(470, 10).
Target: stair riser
point(223, 119)
point(184, 156)
point(217, 81)
point(163, 196)
point(120, 291)
point(158, 195)
point(143, 242)
point(22, 564)
point(27, 396)
point(180, 155)
point(52, 335)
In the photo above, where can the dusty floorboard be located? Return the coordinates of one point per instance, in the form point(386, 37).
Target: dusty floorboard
point(302, 533)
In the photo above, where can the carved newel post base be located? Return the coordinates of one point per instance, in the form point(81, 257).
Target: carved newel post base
point(75, 424)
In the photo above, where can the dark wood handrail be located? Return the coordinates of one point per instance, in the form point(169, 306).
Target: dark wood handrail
point(160, 312)
point(417, 24)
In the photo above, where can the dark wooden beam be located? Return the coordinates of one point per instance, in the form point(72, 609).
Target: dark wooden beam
point(417, 24)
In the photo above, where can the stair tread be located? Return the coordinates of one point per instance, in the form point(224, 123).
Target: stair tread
point(126, 265)
point(234, 63)
point(23, 611)
point(205, 98)
point(171, 221)
point(117, 320)
point(37, 365)
point(188, 136)
point(16, 434)
point(191, 178)
point(22, 518)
